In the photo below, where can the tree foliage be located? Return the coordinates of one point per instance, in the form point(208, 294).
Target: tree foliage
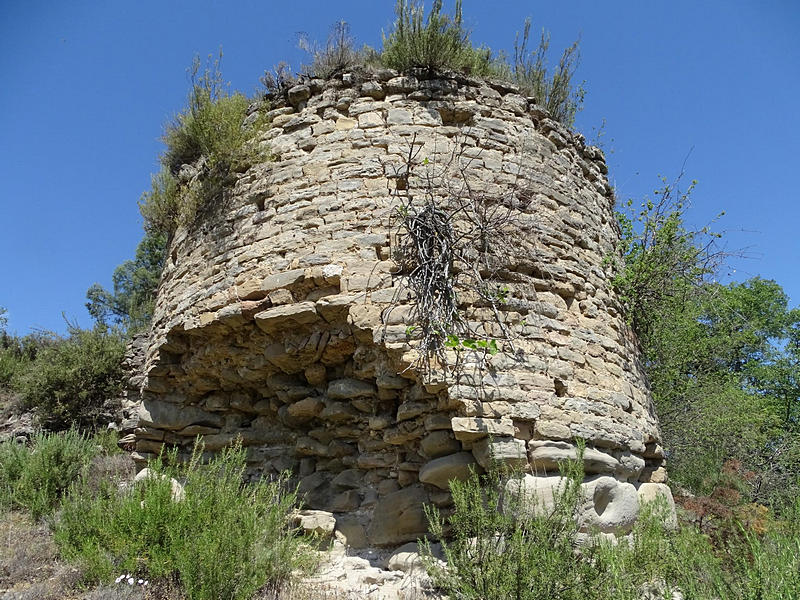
point(130, 302)
point(722, 359)
point(71, 380)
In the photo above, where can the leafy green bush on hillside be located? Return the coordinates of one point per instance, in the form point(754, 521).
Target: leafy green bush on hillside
point(131, 301)
point(211, 124)
point(70, 379)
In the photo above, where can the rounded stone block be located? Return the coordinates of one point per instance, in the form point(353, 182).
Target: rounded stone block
point(658, 497)
point(441, 471)
point(399, 517)
point(609, 506)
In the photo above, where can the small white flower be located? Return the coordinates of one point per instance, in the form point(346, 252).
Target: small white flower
point(140, 582)
point(120, 578)
point(130, 580)
point(145, 582)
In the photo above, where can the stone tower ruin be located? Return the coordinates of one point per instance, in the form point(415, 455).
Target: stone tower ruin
point(292, 317)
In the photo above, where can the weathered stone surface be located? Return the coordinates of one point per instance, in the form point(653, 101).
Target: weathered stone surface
point(439, 443)
point(504, 451)
point(286, 316)
point(474, 428)
point(307, 408)
point(545, 457)
point(440, 471)
point(316, 522)
point(533, 495)
point(661, 496)
point(399, 517)
point(610, 506)
point(177, 493)
point(349, 388)
point(173, 416)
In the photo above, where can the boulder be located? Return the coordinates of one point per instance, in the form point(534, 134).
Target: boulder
point(399, 517)
point(661, 494)
point(178, 494)
point(507, 451)
point(315, 522)
point(440, 471)
point(609, 505)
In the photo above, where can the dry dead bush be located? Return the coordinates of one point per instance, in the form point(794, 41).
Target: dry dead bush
point(29, 565)
point(114, 469)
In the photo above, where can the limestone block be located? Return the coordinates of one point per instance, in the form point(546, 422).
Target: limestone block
point(177, 492)
point(353, 530)
point(439, 443)
point(345, 123)
point(369, 120)
point(468, 429)
point(399, 116)
point(399, 517)
point(346, 501)
point(630, 465)
point(373, 89)
point(440, 471)
point(661, 494)
point(315, 522)
point(286, 316)
point(166, 415)
point(299, 93)
point(610, 506)
point(545, 456)
point(349, 478)
point(654, 475)
point(507, 451)
point(283, 279)
point(306, 446)
point(342, 389)
point(553, 430)
point(408, 410)
point(305, 409)
point(532, 495)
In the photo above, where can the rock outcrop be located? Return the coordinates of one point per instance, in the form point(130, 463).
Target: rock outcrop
point(285, 319)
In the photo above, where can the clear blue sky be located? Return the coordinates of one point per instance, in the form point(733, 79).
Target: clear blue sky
point(87, 85)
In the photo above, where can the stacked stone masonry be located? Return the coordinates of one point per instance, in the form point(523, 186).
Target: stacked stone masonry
point(282, 320)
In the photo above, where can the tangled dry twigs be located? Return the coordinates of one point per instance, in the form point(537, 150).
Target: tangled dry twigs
point(450, 240)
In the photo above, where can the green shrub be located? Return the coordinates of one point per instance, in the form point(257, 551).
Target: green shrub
point(211, 128)
point(131, 301)
point(557, 93)
point(71, 379)
point(211, 125)
point(502, 547)
point(225, 540)
point(439, 43)
point(37, 478)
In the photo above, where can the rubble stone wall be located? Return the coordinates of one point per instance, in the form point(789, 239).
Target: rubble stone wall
point(283, 321)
